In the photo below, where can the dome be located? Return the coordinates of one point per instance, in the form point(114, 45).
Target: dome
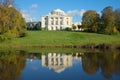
point(58, 12)
point(58, 69)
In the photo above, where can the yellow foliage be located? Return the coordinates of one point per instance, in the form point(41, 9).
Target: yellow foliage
point(11, 21)
point(115, 56)
point(115, 30)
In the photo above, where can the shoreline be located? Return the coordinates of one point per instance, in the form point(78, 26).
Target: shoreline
point(87, 46)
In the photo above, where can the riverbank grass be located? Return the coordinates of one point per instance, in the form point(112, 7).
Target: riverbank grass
point(61, 38)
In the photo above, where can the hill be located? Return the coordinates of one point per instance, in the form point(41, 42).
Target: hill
point(61, 38)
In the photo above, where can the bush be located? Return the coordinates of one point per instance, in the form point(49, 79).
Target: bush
point(2, 38)
point(68, 29)
point(22, 34)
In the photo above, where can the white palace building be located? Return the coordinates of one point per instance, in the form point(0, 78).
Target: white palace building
point(56, 20)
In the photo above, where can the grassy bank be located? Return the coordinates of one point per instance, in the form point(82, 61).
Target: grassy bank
point(61, 38)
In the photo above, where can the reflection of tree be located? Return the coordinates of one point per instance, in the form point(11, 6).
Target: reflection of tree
point(108, 62)
point(90, 63)
point(11, 64)
point(34, 55)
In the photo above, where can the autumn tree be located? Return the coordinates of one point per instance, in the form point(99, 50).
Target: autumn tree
point(73, 27)
point(117, 18)
point(90, 20)
point(108, 20)
point(12, 24)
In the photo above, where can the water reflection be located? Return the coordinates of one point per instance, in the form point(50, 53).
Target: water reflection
point(11, 64)
point(57, 62)
point(101, 65)
point(109, 63)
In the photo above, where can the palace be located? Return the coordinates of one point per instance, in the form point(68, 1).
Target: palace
point(56, 20)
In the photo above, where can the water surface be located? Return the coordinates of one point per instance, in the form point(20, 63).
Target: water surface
point(23, 65)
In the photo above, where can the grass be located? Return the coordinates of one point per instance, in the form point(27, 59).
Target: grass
point(61, 38)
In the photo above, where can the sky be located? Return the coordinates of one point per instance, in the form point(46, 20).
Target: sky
point(32, 10)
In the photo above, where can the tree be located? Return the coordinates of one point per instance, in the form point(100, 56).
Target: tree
point(90, 20)
point(79, 26)
point(117, 19)
point(108, 20)
point(12, 24)
point(73, 27)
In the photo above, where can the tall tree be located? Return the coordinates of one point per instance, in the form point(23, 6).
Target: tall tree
point(11, 21)
point(117, 18)
point(108, 20)
point(90, 20)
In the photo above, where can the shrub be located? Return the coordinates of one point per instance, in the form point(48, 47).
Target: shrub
point(68, 29)
point(22, 34)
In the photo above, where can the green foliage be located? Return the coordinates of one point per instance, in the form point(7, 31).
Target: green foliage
point(90, 21)
point(79, 26)
point(38, 27)
point(109, 23)
point(108, 20)
point(22, 34)
point(109, 64)
point(34, 26)
point(74, 27)
point(67, 29)
point(117, 19)
point(11, 21)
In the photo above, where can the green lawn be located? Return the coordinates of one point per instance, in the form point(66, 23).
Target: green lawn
point(61, 38)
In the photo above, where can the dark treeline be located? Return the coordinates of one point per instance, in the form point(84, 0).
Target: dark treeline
point(106, 23)
point(34, 26)
point(12, 24)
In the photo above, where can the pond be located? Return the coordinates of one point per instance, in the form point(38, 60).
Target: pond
point(89, 65)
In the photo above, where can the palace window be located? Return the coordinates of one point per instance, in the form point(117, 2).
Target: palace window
point(52, 23)
point(67, 23)
point(52, 18)
point(61, 22)
point(56, 22)
point(61, 17)
point(61, 28)
point(46, 23)
point(51, 28)
point(56, 28)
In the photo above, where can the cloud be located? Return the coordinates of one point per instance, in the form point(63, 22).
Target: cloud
point(34, 6)
point(82, 11)
point(76, 12)
point(29, 18)
point(23, 11)
point(27, 14)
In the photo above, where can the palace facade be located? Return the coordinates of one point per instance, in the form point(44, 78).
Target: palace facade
point(56, 20)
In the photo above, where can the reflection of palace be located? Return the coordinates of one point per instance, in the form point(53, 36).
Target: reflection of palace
point(57, 62)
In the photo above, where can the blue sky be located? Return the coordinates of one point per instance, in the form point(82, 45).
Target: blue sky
point(34, 9)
